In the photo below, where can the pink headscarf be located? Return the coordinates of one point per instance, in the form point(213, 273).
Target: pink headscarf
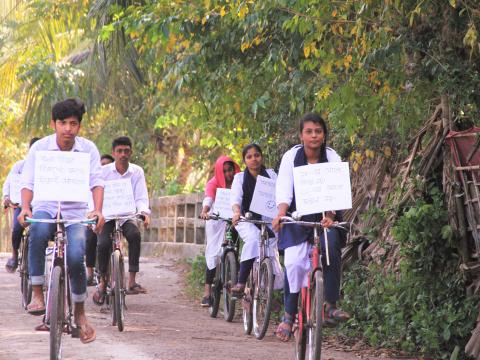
point(218, 181)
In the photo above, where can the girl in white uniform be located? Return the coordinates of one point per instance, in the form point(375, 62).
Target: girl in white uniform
point(225, 169)
point(295, 240)
point(243, 187)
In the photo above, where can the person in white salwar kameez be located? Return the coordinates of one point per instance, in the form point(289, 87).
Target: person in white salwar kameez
point(241, 197)
point(225, 169)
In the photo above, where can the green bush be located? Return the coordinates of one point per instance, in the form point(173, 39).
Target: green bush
point(421, 307)
point(196, 276)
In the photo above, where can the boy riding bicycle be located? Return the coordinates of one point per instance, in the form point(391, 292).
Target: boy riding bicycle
point(123, 169)
point(66, 121)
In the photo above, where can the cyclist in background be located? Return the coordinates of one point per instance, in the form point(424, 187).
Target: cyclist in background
point(123, 169)
point(225, 169)
point(17, 229)
point(91, 249)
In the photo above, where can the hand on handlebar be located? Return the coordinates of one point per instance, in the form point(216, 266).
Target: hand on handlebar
point(100, 220)
point(276, 223)
point(235, 219)
point(326, 222)
point(23, 214)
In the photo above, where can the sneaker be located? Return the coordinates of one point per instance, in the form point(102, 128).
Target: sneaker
point(11, 265)
point(206, 302)
point(91, 281)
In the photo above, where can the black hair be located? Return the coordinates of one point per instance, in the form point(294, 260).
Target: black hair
point(230, 163)
point(317, 119)
point(107, 156)
point(122, 140)
point(33, 141)
point(68, 108)
point(251, 146)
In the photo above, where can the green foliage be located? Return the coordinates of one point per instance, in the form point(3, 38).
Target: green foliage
point(196, 276)
point(421, 308)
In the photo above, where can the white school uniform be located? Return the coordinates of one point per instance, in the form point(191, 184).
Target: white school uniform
point(297, 262)
point(214, 234)
point(250, 234)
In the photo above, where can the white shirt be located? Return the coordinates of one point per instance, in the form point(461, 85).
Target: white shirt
point(236, 195)
point(15, 170)
point(284, 185)
point(137, 177)
point(69, 210)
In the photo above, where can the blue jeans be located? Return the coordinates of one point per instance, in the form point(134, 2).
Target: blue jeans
point(38, 241)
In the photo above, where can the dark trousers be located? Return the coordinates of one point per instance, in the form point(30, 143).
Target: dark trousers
point(104, 245)
point(91, 249)
point(17, 230)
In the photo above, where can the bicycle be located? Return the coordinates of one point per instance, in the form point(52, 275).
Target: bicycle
point(59, 310)
point(226, 272)
point(115, 284)
point(258, 295)
point(310, 317)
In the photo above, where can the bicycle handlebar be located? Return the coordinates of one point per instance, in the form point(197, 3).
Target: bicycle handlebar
point(216, 217)
point(62, 221)
point(259, 222)
point(338, 225)
point(126, 217)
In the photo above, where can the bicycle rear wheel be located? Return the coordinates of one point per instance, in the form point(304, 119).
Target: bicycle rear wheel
point(314, 339)
point(216, 293)
point(57, 314)
point(118, 289)
point(299, 329)
point(230, 279)
point(262, 301)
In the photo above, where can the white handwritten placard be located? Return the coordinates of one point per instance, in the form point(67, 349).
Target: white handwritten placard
point(222, 205)
point(15, 188)
point(61, 176)
point(322, 187)
point(118, 198)
point(263, 200)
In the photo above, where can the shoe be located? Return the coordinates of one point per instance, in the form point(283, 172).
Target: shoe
point(136, 289)
point(91, 281)
point(238, 290)
point(11, 265)
point(206, 301)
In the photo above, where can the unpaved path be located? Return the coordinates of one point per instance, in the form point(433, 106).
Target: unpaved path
point(160, 325)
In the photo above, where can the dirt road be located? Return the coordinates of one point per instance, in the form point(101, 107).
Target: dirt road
point(161, 325)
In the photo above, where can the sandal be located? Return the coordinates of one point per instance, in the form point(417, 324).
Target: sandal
point(333, 316)
point(98, 297)
point(284, 329)
point(11, 265)
point(136, 289)
point(84, 330)
point(35, 309)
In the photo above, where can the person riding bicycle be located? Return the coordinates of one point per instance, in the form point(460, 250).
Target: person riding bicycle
point(123, 169)
point(225, 169)
point(17, 229)
point(66, 121)
point(91, 248)
point(294, 239)
point(243, 187)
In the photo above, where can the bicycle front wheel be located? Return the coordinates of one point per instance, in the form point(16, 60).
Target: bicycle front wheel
point(230, 279)
point(25, 285)
point(216, 293)
point(118, 289)
point(248, 305)
point(299, 328)
point(262, 302)
point(316, 318)
point(57, 312)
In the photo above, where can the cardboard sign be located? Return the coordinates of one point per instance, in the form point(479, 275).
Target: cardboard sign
point(222, 204)
point(118, 198)
point(15, 188)
point(322, 187)
point(61, 176)
point(263, 200)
